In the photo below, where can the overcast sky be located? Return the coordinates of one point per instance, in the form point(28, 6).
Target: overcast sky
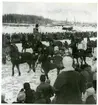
point(83, 12)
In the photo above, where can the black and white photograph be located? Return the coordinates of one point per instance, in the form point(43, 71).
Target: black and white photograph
point(49, 53)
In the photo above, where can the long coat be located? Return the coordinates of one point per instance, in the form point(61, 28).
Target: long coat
point(68, 88)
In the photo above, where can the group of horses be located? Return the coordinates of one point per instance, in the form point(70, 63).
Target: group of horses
point(45, 55)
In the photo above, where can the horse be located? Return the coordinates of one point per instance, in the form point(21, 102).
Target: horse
point(76, 54)
point(48, 63)
point(91, 45)
point(18, 58)
point(32, 43)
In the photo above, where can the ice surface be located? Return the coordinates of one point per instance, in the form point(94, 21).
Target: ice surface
point(29, 29)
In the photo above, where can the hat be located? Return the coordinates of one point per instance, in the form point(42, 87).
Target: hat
point(67, 61)
point(90, 91)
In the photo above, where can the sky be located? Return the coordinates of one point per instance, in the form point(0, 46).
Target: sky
point(82, 12)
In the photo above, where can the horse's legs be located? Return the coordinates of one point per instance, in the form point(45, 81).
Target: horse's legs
point(46, 74)
point(73, 62)
point(17, 65)
point(92, 49)
point(84, 58)
point(77, 61)
point(29, 67)
point(58, 71)
point(13, 69)
point(22, 50)
point(81, 60)
point(33, 66)
point(25, 50)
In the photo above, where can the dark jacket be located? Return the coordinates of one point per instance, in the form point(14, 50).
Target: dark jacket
point(68, 88)
point(46, 90)
point(87, 75)
point(90, 100)
point(40, 101)
point(30, 96)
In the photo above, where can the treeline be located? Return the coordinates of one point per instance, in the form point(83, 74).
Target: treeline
point(29, 19)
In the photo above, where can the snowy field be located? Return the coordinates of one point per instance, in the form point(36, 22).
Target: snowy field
point(29, 29)
point(12, 85)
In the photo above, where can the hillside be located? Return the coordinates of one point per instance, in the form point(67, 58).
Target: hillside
point(33, 19)
point(29, 19)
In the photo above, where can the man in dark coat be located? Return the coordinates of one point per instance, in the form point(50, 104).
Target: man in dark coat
point(30, 94)
point(87, 74)
point(68, 85)
point(3, 99)
point(46, 89)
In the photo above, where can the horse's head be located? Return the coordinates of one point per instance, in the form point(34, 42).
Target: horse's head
point(8, 52)
point(12, 50)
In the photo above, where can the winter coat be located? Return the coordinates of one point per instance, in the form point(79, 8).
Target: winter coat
point(68, 88)
point(46, 90)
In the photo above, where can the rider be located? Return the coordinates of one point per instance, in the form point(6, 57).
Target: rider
point(36, 32)
point(24, 42)
point(82, 46)
point(37, 40)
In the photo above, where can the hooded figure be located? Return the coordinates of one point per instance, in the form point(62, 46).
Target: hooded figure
point(26, 94)
point(45, 89)
point(68, 85)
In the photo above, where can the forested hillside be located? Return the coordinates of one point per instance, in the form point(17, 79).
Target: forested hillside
point(30, 19)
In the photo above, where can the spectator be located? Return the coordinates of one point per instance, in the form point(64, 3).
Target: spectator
point(3, 99)
point(39, 98)
point(45, 89)
point(29, 93)
point(90, 95)
point(87, 74)
point(68, 85)
point(94, 70)
point(21, 96)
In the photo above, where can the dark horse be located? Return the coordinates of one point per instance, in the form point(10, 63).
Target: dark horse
point(19, 58)
point(49, 63)
point(76, 54)
point(91, 45)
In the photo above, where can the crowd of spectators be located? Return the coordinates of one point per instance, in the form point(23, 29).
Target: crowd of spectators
point(72, 86)
point(16, 37)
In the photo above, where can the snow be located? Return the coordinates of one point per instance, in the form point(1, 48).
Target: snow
point(29, 29)
point(12, 85)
